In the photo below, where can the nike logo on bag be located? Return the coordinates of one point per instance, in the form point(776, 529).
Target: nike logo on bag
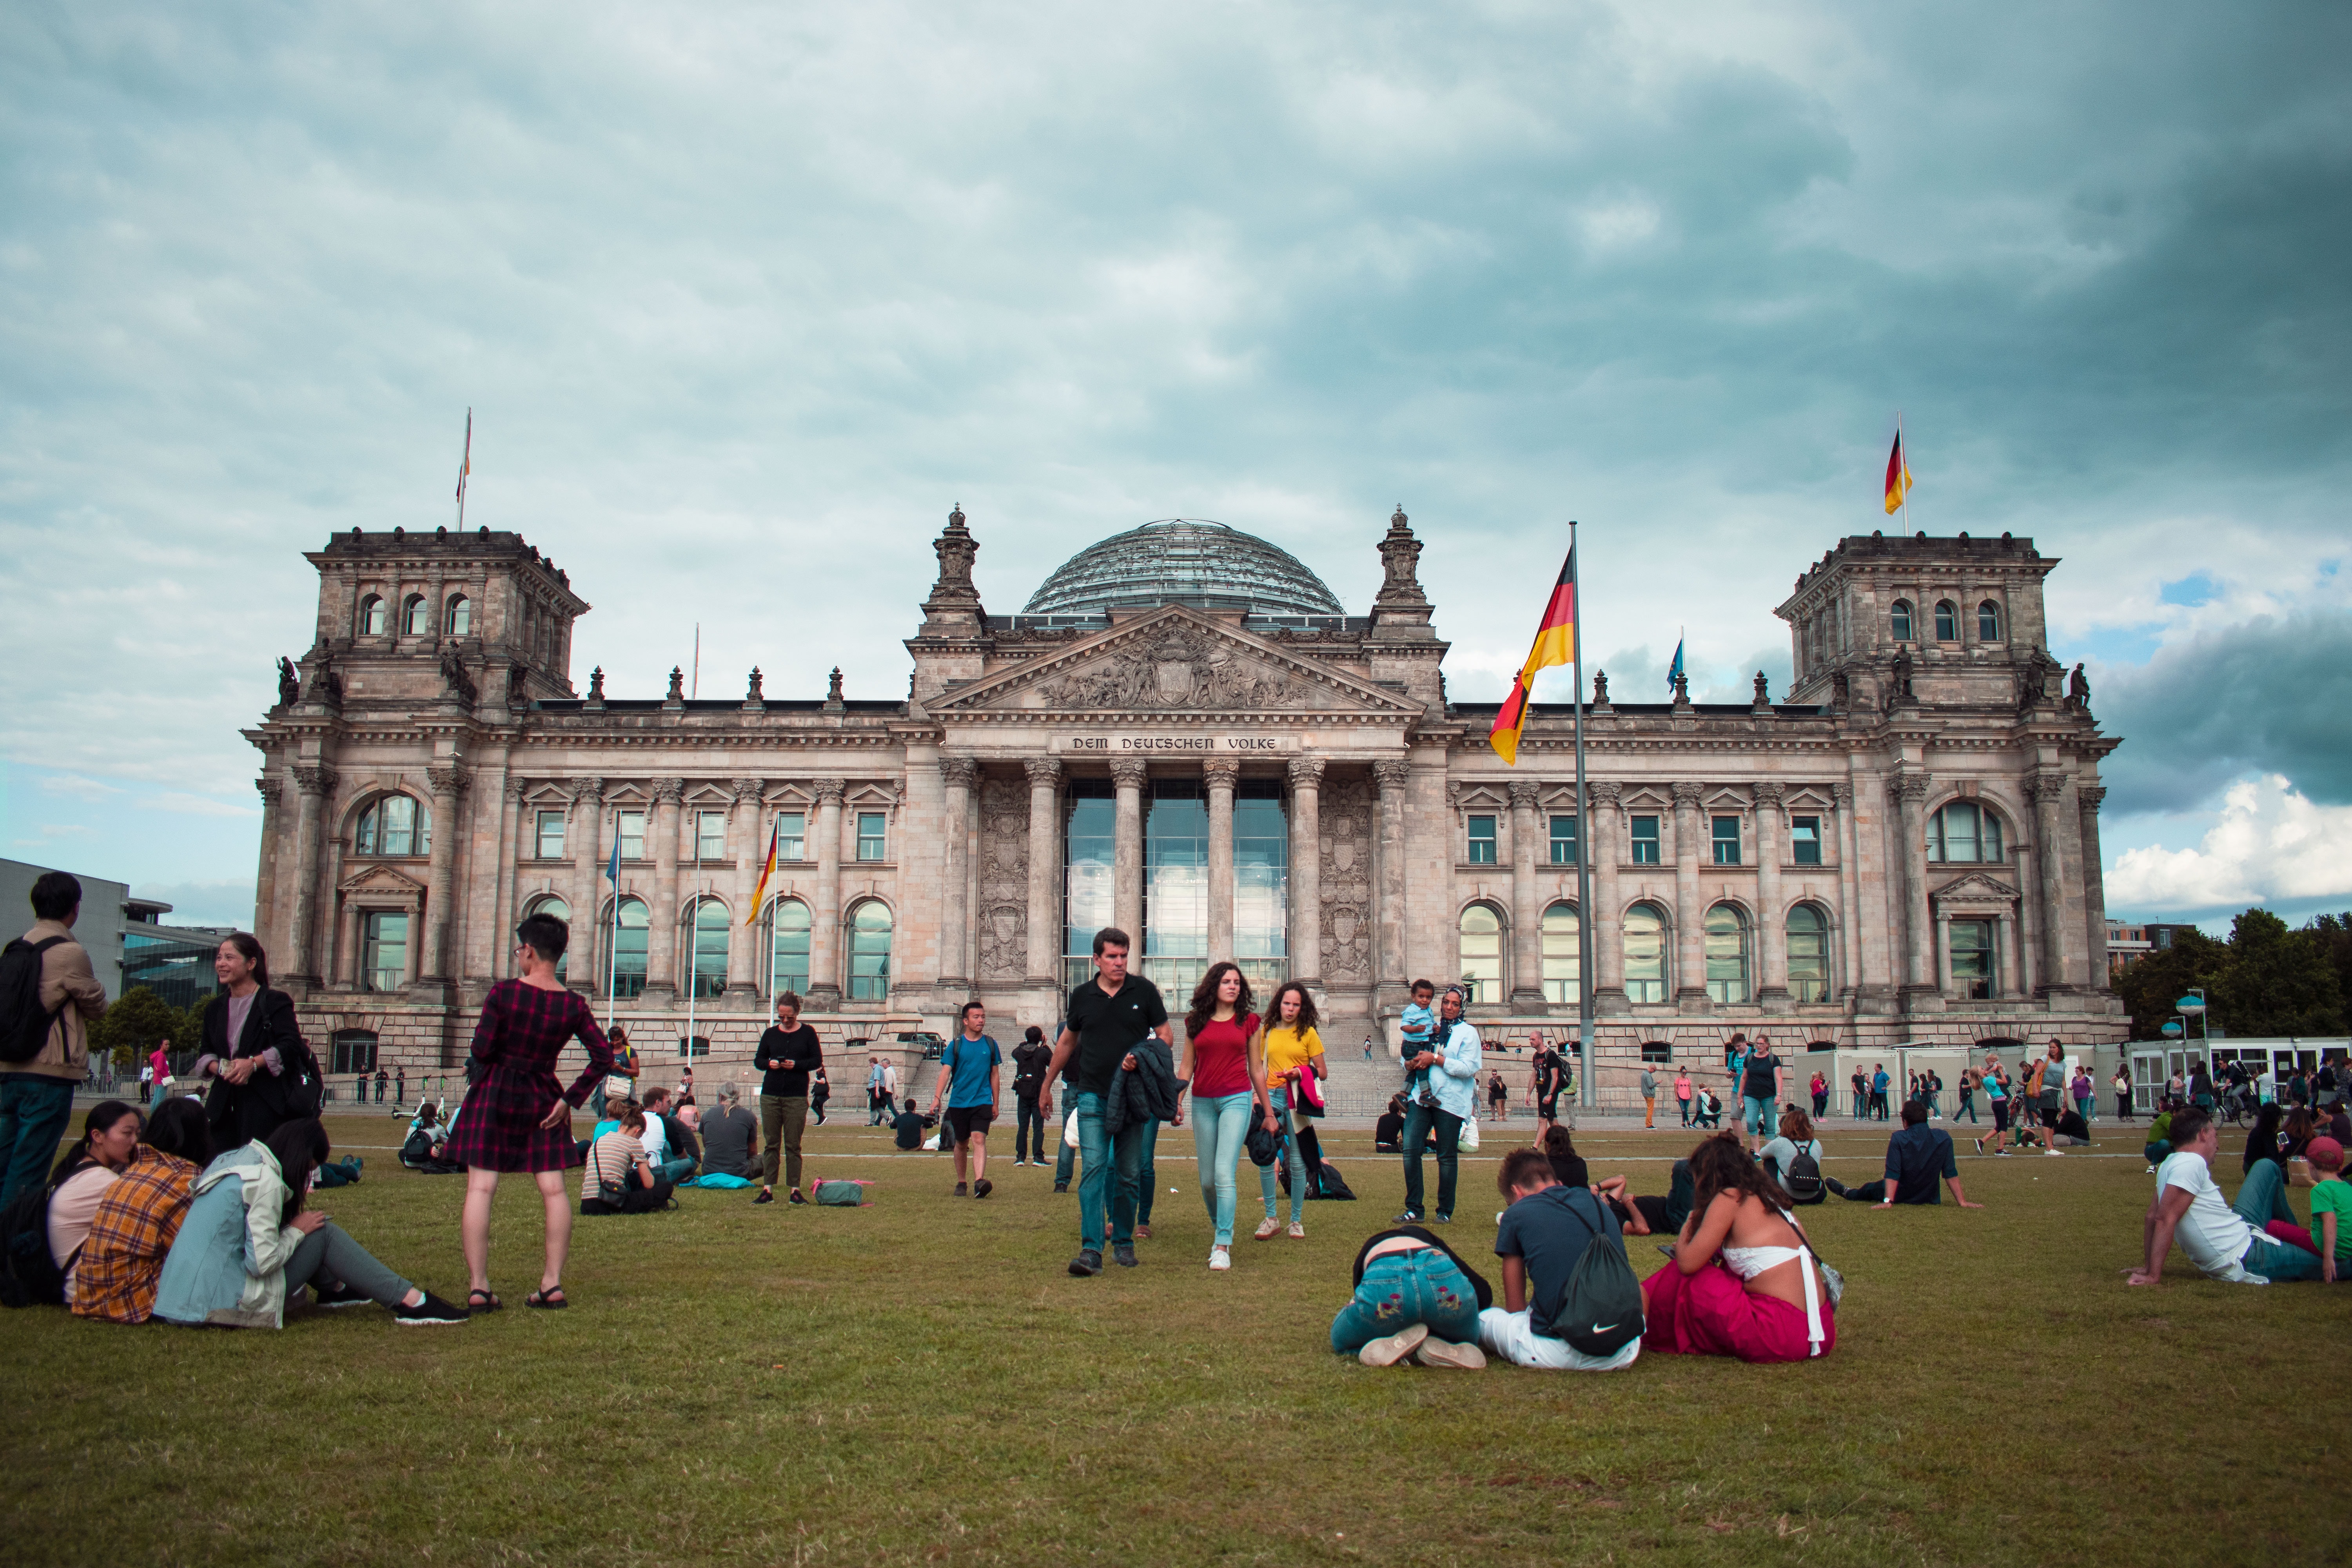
point(1602, 1328)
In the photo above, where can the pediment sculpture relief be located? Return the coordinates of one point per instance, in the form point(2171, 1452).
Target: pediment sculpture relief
point(1180, 670)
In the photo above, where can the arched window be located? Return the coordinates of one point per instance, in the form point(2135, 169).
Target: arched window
point(1900, 620)
point(1644, 930)
point(1948, 621)
point(1988, 622)
point(416, 616)
point(789, 968)
point(1963, 833)
point(461, 616)
point(1481, 936)
point(1560, 955)
point(1727, 954)
point(710, 924)
point(396, 825)
point(869, 952)
point(634, 927)
point(553, 905)
point(1809, 955)
point(371, 617)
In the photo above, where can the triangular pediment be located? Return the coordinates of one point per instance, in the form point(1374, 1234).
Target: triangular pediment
point(382, 881)
point(1175, 660)
point(1976, 888)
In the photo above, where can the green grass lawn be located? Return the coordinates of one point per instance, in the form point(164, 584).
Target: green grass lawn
point(920, 1381)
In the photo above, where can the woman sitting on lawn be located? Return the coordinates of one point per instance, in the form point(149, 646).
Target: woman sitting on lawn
point(1415, 1300)
point(109, 1137)
point(247, 1241)
point(1743, 1282)
point(140, 1215)
point(618, 1179)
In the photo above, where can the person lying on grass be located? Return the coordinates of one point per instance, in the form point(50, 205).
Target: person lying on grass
point(1916, 1156)
point(1744, 1281)
point(2225, 1241)
point(1415, 1301)
point(1542, 1240)
point(247, 1242)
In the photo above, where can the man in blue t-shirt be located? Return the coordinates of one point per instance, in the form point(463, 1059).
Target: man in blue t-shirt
point(1915, 1158)
point(1541, 1238)
point(969, 1065)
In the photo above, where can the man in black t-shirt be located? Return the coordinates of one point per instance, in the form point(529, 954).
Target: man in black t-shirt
point(1107, 1018)
point(1029, 1059)
point(787, 1054)
point(1549, 1071)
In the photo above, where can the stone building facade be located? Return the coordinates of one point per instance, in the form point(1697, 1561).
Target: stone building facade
point(1184, 734)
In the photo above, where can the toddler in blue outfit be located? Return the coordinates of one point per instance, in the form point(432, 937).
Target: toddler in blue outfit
point(1419, 1026)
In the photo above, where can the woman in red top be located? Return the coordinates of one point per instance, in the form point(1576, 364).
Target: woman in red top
point(516, 1117)
point(1222, 1062)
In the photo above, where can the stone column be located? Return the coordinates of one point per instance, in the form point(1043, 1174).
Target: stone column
point(1690, 924)
point(1849, 842)
point(265, 885)
point(512, 819)
point(661, 925)
point(584, 842)
point(1910, 790)
point(1044, 861)
point(825, 920)
point(1221, 774)
point(959, 774)
point(316, 783)
point(440, 881)
point(2012, 972)
point(1771, 929)
point(1391, 775)
point(1943, 929)
point(750, 848)
point(2049, 789)
point(2087, 798)
point(347, 949)
point(1126, 855)
point(1526, 917)
point(1608, 930)
point(1307, 870)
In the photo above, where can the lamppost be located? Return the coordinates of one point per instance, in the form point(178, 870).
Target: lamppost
point(2193, 1005)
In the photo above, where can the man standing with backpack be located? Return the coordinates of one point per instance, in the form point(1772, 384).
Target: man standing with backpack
point(1570, 1299)
point(48, 998)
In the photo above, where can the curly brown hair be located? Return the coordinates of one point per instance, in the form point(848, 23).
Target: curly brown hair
point(1204, 996)
point(1721, 1163)
point(1306, 1005)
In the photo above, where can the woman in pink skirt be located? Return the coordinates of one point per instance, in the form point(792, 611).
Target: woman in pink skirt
point(516, 1117)
point(1743, 1281)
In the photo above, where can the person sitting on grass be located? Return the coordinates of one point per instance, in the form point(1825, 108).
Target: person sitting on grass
point(1388, 1132)
point(1743, 1280)
point(908, 1125)
point(247, 1242)
point(427, 1142)
point(109, 1137)
point(1567, 1167)
point(1415, 1300)
point(2331, 1206)
point(1541, 1241)
point(731, 1138)
point(618, 1179)
point(671, 1148)
point(139, 1215)
point(1915, 1157)
point(1709, 1113)
point(2225, 1241)
point(1796, 1138)
point(2159, 1147)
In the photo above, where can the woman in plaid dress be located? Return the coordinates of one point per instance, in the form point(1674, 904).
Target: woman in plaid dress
point(517, 1117)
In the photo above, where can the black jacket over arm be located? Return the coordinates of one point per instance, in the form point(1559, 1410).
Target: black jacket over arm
point(1146, 1094)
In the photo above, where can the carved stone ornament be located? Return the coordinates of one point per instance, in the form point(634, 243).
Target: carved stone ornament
point(289, 684)
point(2049, 786)
point(959, 773)
point(1305, 772)
point(1526, 793)
point(1401, 563)
point(1911, 786)
point(596, 686)
point(833, 701)
point(1392, 773)
point(1180, 669)
point(1606, 793)
point(516, 790)
point(1841, 692)
point(1687, 794)
point(1221, 772)
point(445, 782)
point(748, 791)
point(1769, 793)
point(269, 790)
point(1763, 692)
point(1842, 793)
point(2090, 798)
point(455, 681)
point(1601, 688)
point(956, 549)
point(829, 792)
point(1128, 773)
point(754, 694)
point(676, 685)
point(1045, 771)
point(316, 779)
point(670, 792)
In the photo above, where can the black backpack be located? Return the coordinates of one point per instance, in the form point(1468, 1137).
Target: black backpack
point(1803, 1178)
point(1329, 1183)
point(24, 1023)
point(28, 1275)
point(1600, 1312)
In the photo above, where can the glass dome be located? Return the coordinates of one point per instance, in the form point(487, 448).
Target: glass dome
point(1183, 560)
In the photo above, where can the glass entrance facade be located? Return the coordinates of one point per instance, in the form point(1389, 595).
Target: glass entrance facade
point(1090, 839)
point(1176, 885)
point(1261, 884)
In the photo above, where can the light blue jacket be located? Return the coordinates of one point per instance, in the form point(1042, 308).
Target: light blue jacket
point(1455, 1079)
point(227, 1265)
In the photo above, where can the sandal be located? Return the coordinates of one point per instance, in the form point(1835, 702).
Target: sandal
point(479, 1302)
point(551, 1300)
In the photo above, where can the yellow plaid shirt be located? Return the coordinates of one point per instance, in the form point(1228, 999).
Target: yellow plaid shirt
point(115, 1275)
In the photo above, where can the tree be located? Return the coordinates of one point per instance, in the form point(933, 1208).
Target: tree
point(2151, 985)
point(138, 1020)
point(2333, 934)
point(2277, 982)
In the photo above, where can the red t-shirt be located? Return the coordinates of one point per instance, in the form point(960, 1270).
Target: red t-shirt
point(1221, 1056)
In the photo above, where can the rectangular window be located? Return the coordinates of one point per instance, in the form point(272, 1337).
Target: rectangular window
point(386, 958)
point(699, 1046)
point(1482, 841)
point(1645, 840)
point(870, 841)
point(1657, 1051)
point(1972, 965)
point(1563, 840)
point(549, 843)
point(792, 836)
point(1805, 840)
point(1726, 841)
point(1089, 843)
point(710, 836)
point(633, 835)
point(1261, 884)
point(1175, 884)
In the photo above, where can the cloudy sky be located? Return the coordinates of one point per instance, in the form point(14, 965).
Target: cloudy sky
point(743, 299)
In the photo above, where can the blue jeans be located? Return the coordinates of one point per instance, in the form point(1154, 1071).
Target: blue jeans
point(1401, 1288)
point(1097, 1190)
point(1267, 1182)
point(34, 1112)
point(674, 1171)
point(1220, 1126)
point(1755, 1114)
point(1147, 1174)
point(2261, 1200)
point(1420, 1122)
point(1028, 1129)
point(1065, 1156)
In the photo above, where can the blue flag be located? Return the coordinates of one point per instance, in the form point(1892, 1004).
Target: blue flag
point(613, 867)
point(1673, 671)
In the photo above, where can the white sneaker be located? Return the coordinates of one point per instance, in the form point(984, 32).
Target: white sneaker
point(1297, 1231)
point(1220, 1259)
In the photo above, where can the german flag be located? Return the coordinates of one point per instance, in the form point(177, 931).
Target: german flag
point(767, 870)
point(1898, 476)
point(1554, 644)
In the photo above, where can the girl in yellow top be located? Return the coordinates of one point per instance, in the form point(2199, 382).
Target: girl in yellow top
point(1286, 1047)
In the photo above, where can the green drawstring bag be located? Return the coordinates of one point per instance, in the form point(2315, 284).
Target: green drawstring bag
point(839, 1194)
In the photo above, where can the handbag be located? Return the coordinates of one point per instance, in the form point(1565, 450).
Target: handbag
point(1070, 1129)
point(1467, 1141)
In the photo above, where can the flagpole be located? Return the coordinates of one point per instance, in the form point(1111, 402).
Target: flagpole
point(1903, 472)
point(1584, 1096)
point(612, 944)
point(693, 966)
point(465, 468)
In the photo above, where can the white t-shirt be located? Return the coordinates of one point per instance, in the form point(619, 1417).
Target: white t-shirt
point(656, 1138)
point(2214, 1234)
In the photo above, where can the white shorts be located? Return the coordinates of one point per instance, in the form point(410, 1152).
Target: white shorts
point(1512, 1336)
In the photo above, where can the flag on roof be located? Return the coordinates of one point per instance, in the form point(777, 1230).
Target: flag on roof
point(1675, 670)
point(1554, 644)
point(1898, 476)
